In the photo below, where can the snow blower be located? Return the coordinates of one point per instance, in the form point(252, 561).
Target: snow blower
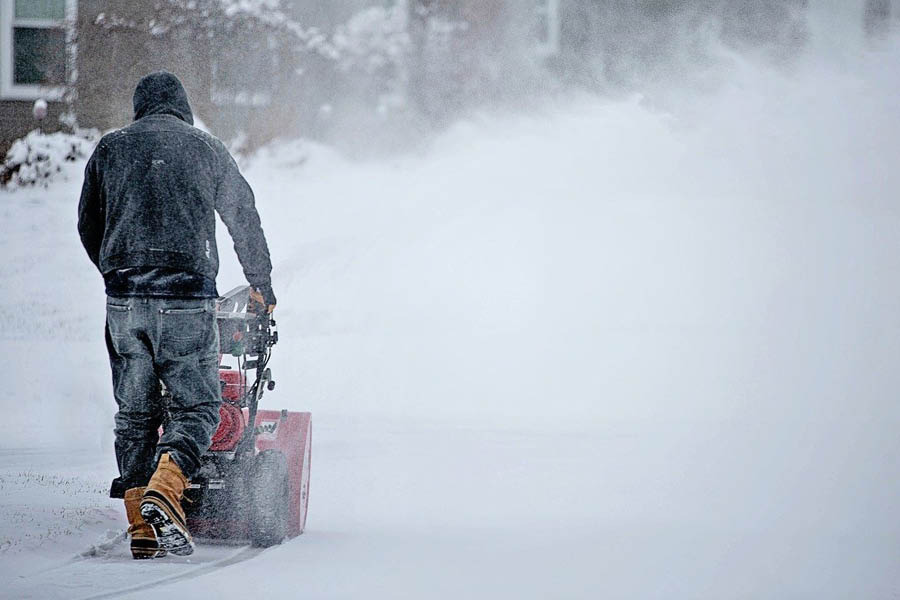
point(253, 484)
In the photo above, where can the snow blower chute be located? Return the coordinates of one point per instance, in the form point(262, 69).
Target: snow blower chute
point(253, 484)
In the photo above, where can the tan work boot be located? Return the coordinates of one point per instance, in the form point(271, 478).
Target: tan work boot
point(161, 507)
point(143, 539)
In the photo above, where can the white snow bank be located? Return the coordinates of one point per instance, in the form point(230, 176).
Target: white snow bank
point(40, 158)
point(603, 261)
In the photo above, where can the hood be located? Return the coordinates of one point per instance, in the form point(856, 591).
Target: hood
point(161, 93)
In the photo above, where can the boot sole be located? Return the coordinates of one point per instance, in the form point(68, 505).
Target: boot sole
point(146, 549)
point(171, 534)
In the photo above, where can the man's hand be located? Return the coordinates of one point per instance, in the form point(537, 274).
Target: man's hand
point(257, 297)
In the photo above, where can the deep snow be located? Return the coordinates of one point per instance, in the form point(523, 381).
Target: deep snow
point(600, 351)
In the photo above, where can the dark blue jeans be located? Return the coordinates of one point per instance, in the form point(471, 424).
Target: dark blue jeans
point(176, 342)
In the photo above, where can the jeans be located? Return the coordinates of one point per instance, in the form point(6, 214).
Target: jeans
point(175, 341)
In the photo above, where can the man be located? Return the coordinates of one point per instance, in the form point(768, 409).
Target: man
point(147, 220)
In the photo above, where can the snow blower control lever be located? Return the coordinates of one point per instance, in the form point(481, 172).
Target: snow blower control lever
point(247, 331)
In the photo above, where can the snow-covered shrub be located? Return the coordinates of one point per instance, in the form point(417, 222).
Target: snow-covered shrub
point(373, 38)
point(372, 48)
point(39, 158)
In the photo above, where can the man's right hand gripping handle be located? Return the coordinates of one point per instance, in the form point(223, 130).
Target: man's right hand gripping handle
point(262, 297)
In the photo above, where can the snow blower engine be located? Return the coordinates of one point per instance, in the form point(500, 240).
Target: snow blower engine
point(253, 484)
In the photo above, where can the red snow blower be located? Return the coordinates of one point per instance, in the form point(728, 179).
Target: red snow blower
point(253, 484)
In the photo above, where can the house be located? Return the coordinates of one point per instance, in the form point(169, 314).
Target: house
point(35, 62)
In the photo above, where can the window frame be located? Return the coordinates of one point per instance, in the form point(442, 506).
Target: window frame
point(549, 9)
point(9, 89)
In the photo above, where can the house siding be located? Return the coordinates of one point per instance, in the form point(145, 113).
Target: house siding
point(16, 120)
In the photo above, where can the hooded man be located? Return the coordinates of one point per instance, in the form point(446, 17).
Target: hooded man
point(147, 220)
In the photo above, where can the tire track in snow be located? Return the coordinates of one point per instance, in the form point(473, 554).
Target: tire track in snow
point(240, 555)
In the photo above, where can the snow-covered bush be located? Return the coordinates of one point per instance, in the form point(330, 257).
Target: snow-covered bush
point(39, 158)
point(372, 48)
point(373, 38)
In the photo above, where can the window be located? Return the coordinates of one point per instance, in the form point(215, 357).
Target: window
point(546, 24)
point(33, 48)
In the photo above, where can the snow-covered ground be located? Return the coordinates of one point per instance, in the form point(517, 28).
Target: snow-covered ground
point(596, 352)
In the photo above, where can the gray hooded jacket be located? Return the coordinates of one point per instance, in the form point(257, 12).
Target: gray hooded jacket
point(150, 194)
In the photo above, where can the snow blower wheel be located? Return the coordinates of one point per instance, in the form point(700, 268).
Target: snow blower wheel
point(269, 499)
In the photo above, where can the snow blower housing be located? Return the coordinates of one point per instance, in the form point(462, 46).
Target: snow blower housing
point(254, 480)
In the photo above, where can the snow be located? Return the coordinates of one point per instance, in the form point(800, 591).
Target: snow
point(599, 351)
